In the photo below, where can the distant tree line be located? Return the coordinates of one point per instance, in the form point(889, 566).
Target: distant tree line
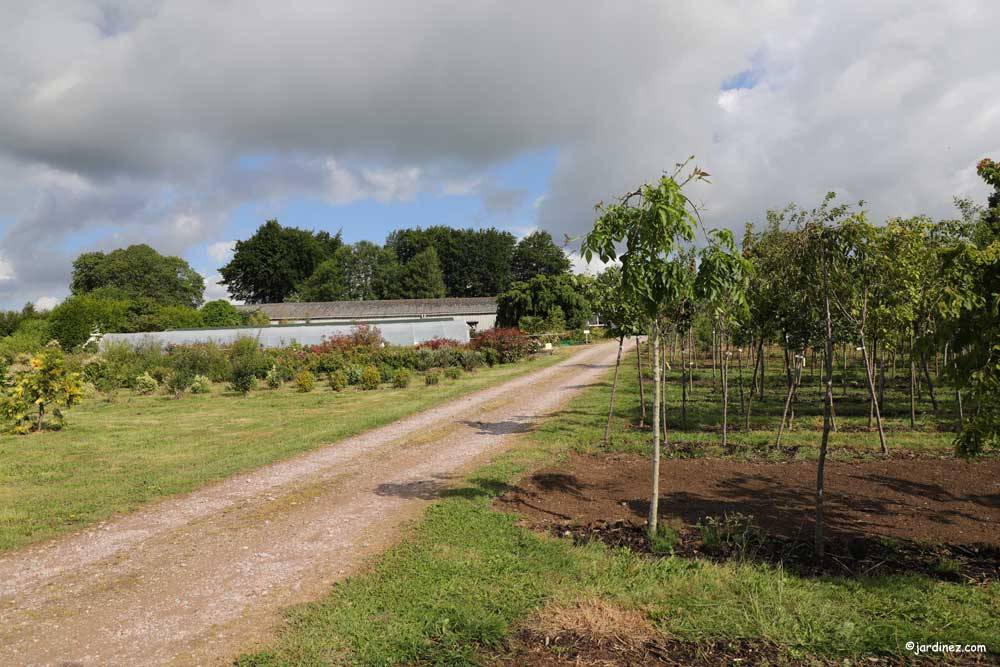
point(280, 263)
point(137, 289)
point(126, 290)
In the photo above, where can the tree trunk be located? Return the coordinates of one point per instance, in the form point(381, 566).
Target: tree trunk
point(788, 367)
point(743, 407)
point(784, 415)
point(761, 379)
point(930, 383)
point(961, 415)
point(614, 386)
point(654, 498)
point(684, 392)
point(713, 359)
point(41, 416)
point(913, 391)
point(827, 413)
point(870, 377)
point(846, 354)
point(642, 391)
point(663, 401)
point(723, 369)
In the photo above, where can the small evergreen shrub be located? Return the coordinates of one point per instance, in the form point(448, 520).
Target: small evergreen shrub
point(453, 372)
point(243, 377)
point(401, 379)
point(146, 384)
point(370, 378)
point(179, 381)
point(354, 374)
point(337, 380)
point(159, 373)
point(432, 377)
point(201, 385)
point(273, 378)
point(305, 381)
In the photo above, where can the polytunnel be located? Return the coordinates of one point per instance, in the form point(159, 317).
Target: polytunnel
point(394, 332)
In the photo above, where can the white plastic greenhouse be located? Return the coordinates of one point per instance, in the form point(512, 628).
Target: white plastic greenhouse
point(394, 332)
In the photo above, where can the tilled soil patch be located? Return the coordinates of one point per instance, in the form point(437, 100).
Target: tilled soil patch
point(935, 516)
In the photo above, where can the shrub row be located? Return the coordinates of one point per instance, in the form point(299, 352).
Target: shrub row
point(359, 359)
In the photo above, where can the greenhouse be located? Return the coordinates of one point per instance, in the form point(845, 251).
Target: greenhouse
point(394, 332)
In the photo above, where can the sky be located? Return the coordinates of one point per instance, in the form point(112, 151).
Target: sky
point(185, 124)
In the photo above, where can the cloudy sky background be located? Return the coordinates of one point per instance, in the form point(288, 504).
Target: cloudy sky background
point(184, 124)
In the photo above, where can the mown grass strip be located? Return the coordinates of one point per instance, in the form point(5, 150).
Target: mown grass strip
point(115, 457)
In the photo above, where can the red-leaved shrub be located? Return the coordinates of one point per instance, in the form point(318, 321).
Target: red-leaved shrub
point(363, 336)
point(510, 344)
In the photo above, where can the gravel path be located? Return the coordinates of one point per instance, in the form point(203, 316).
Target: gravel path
point(200, 578)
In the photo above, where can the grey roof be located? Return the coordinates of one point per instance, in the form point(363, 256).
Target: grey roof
point(365, 310)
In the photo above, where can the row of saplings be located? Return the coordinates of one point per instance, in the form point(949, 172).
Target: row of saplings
point(35, 390)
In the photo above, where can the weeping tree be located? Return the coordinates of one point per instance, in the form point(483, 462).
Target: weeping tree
point(721, 285)
point(644, 230)
point(621, 319)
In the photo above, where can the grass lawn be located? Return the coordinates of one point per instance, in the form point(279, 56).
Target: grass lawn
point(113, 457)
point(456, 590)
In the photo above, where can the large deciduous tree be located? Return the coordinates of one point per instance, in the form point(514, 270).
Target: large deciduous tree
point(419, 278)
point(541, 296)
point(138, 272)
point(270, 265)
point(538, 255)
point(474, 262)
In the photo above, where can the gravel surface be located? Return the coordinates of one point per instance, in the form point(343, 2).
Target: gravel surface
point(200, 578)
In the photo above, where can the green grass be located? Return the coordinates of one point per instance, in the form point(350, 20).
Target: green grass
point(114, 457)
point(934, 432)
point(468, 575)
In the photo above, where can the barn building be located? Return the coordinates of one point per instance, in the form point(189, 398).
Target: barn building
point(478, 313)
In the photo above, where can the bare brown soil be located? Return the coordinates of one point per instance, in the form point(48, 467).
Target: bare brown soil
point(936, 516)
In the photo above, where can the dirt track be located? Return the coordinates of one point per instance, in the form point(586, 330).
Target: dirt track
point(200, 578)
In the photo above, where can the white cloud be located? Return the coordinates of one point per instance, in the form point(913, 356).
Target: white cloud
point(221, 251)
point(579, 264)
point(6, 270)
point(461, 187)
point(347, 185)
point(214, 291)
point(121, 116)
point(47, 302)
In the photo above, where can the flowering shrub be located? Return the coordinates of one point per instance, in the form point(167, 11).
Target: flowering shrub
point(510, 344)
